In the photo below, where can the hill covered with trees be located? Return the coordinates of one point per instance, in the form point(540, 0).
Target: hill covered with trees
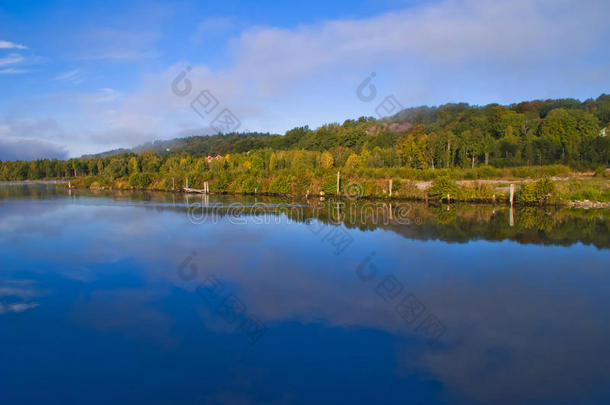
point(459, 140)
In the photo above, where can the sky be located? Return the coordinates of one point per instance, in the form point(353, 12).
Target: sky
point(86, 77)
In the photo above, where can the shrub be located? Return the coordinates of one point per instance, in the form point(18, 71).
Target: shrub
point(302, 183)
point(526, 194)
point(538, 192)
point(139, 180)
point(329, 184)
point(544, 188)
point(221, 185)
point(600, 171)
point(280, 185)
point(443, 186)
point(250, 185)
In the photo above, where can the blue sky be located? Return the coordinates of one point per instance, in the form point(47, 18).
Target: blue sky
point(83, 77)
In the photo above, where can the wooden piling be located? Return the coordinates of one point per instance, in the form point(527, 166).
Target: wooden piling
point(338, 182)
point(173, 184)
point(390, 187)
point(512, 194)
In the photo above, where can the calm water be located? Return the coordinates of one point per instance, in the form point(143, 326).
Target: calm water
point(133, 298)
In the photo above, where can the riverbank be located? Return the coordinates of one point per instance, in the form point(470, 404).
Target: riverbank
point(572, 191)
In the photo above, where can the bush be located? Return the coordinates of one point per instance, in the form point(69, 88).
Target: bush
point(526, 194)
point(140, 180)
point(443, 186)
point(544, 187)
point(222, 183)
point(249, 185)
point(600, 171)
point(538, 192)
point(280, 185)
point(329, 184)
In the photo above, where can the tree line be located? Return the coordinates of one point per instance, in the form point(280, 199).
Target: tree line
point(564, 131)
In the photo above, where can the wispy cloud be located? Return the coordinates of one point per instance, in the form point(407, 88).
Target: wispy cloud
point(212, 27)
point(68, 75)
point(13, 71)
point(120, 45)
point(107, 95)
point(73, 76)
point(11, 59)
point(11, 45)
point(274, 78)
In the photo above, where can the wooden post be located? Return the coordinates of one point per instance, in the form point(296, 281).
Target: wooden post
point(187, 182)
point(390, 187)
point(448, 198)
point(338, 182)
point(512, 194)
point(173, 184)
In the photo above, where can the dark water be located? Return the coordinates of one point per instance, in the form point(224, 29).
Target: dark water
point(133, 298)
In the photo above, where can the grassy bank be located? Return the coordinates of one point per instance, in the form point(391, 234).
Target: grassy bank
point(533, 184)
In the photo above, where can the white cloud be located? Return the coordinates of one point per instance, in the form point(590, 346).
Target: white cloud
point(69, 75)
point(11, 59)
point(114, 44)
point(427, 50)
point(13, 71)
point(107, 95)
point(11, 45)
point(453, 50)
point(212, 27)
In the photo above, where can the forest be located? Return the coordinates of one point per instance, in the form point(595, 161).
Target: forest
point(528, 139)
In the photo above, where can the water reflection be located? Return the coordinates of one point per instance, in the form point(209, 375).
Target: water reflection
point(525, 318)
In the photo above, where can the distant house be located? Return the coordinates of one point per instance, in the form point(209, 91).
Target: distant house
point(210, 158)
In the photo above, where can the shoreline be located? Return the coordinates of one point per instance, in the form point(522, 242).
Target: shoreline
point(582, 204)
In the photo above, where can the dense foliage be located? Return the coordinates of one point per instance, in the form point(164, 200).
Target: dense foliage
point(451, 136)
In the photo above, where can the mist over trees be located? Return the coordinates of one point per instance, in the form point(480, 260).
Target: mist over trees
point(564, 131)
